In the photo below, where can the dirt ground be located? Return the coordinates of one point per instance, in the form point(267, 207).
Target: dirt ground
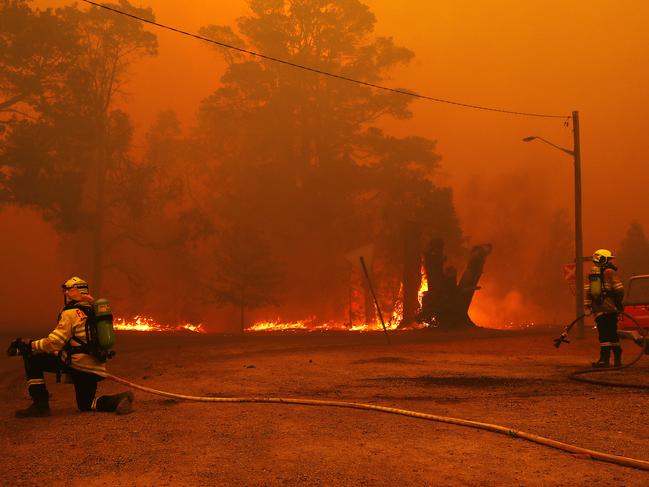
point(515, 379)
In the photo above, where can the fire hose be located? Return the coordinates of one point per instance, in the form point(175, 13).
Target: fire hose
point(494, 428)
point(580, 375)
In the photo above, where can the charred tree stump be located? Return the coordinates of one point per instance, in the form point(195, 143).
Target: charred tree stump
point(447, 301)
point(468, 284)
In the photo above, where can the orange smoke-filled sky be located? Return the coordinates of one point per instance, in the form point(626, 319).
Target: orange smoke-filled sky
point(554, 57)
point(549, 57)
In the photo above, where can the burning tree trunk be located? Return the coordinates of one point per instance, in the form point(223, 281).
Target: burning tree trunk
point(411, 273)
point(447, 301)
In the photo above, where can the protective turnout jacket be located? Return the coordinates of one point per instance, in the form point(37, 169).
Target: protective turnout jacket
point(613, 293)
point(72, 323)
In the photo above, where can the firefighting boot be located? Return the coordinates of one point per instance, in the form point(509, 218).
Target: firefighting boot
point(617, 356)
point(604, 358)
point(124, 403)
point(41, 405)
point(121, 403)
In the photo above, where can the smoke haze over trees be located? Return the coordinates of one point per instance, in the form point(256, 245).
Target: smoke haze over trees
point(301, 163)
point(69, 158)
point(633, 253)
point(293, 159)
point(300, 158)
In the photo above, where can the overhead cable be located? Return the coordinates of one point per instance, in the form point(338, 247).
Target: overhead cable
point(325, 73)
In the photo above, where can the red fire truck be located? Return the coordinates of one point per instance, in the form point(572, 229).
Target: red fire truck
point(636, 304)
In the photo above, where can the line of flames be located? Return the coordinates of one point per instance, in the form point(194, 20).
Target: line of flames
point(311, 325)
point(147, 324)
point(143, 323)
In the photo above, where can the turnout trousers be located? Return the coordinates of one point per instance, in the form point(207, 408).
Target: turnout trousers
point(608, 339)
point(85, 383)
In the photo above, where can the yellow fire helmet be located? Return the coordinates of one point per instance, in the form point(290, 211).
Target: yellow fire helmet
point(75, 283)
point(602, 257)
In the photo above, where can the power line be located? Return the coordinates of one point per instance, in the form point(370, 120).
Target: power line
point(324, 73)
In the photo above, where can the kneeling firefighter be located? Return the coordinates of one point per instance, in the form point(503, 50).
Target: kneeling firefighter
point(603, 297)
point(79, 347)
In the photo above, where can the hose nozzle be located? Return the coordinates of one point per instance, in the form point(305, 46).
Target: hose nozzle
point(562, 339)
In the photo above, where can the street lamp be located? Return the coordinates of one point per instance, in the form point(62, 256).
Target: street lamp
point(575, 153)
point(532, 137)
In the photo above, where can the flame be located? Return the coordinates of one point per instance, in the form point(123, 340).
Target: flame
point(277, 326)
point(423, 287)
point(397, 311)
point(143, 323)
point(311, 324)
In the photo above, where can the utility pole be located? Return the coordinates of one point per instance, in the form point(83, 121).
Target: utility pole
point(579, 245)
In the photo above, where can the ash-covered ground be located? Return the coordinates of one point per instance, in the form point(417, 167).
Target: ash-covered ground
point(515, 379)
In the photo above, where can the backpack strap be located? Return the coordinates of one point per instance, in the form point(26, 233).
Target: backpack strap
point(82, 347)
point(90, 346)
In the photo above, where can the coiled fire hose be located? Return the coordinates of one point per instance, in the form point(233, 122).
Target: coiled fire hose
point(580, 375)
point(494, 428)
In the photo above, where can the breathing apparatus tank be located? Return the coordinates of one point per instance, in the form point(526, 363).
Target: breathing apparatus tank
point(596, 284)
point(105, 337)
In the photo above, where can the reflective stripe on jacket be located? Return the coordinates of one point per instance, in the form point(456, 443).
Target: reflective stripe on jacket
point(72, 323)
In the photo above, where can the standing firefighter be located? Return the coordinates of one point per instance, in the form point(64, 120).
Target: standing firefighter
point(603, 297)
point(70, 348)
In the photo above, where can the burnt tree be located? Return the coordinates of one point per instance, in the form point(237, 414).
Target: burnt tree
point(411, 273)
point(447, 301)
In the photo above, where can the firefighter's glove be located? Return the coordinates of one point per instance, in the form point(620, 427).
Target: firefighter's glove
point(562, 339)
point(20, 346)
point(619, 305)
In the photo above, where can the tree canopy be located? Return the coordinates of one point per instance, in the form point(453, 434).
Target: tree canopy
point(301, 156)
point(283, 173)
